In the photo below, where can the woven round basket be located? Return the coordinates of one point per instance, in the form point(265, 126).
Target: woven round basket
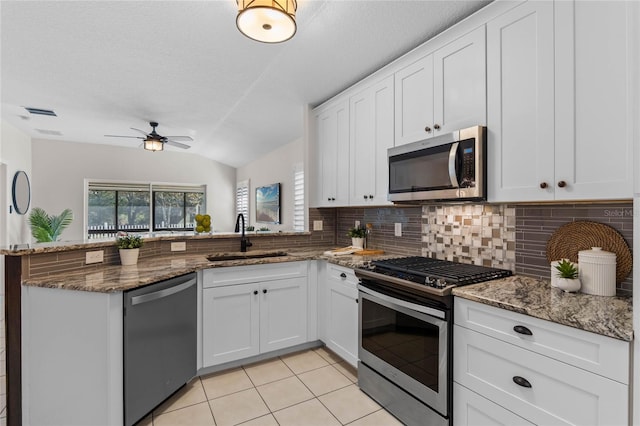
point(569, 239)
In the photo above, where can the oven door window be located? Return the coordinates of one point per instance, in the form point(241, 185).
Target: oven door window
point(403, 341)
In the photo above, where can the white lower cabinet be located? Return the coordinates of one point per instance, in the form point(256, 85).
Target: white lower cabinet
point(471, 409)
point(530, 378)
point(341, 319)
point(244, 319)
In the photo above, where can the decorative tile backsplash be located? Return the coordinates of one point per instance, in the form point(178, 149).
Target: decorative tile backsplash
point(470, 233)
point(536, 223)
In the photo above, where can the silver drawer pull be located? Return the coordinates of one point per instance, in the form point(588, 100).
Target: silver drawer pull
point(522, 330)
point(521, 381)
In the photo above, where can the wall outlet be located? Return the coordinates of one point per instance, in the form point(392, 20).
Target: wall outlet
point(317, 225)
point(398, 230)
point(357, 225)
point(94, 256)
point(179, 246)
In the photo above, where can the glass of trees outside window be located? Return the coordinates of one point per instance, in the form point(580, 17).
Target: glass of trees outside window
point(176, 210)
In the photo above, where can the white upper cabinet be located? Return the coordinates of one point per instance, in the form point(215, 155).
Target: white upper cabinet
point(460, 89)
point(442, 91)
point(332, 155)
point(371, 113)
point(414, 102)
point(595, 48)
point(560, 102)
point(520, 103)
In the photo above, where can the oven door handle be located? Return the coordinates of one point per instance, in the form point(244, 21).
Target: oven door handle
point(414, 307)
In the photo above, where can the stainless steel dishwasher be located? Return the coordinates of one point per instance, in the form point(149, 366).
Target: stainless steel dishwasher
point(160, 325)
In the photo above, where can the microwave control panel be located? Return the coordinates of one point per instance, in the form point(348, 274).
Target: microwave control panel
point(467, 151)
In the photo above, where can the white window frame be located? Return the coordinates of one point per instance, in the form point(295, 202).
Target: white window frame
point(242, 200)
point(299, 215)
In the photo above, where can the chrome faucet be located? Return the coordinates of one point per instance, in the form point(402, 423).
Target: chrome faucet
point(244, 241)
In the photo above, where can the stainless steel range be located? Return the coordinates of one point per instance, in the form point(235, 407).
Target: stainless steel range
point(405, 334)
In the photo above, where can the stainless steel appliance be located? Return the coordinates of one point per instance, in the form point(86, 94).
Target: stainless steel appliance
point(405, 334)
point(160, 329)
point(446, 167)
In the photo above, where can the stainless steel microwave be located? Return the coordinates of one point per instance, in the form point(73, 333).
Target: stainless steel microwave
point(444, 168)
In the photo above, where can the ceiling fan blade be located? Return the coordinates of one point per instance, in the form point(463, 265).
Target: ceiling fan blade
point(180, 138)
point(177, 144)
point(138, 130)
point(121, 136)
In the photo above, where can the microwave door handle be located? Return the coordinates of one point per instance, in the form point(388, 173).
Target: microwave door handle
point(453, 175)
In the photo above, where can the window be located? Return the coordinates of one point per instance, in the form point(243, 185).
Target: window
point(175, 208)
point(298, 198)
point(242, 199)
point(114, 207)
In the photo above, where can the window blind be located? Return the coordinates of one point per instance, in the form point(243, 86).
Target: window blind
point(298, 199)
point(242, 199)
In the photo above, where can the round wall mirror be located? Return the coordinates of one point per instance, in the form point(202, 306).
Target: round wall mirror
point(21, 192)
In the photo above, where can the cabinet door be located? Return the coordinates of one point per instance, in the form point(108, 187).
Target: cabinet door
point(459, 83)
point(343, 322)
point(333, 147)
point(471, 409)
point(342, 316)
point(414, 102)
point(371, 113)
point(230, 329)
point(594, 98)
point(520, 140)
point(283, 313)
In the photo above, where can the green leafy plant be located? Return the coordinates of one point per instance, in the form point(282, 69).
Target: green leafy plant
point(567, 269)
point(264, 228)
point(358, 232)
point(45, 228)
point(250, 228)
point(129, 242)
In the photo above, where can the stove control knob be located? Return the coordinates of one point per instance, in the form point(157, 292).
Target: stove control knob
point(441, 283)
point(431, 282)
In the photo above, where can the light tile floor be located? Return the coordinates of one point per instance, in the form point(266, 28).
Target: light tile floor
point(308, 388)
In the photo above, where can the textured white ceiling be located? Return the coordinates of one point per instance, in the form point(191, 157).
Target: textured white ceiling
point(106, 66)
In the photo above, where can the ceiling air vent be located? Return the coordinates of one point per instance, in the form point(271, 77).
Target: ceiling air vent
point(40, 111)
point(49, 132)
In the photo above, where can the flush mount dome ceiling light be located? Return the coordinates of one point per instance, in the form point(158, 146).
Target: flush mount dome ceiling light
point(268, 21)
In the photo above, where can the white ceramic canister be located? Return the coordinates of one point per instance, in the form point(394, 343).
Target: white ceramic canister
point(597, 272)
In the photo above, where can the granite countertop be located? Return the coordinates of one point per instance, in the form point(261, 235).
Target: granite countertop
point(115, 278)
point(608, 316)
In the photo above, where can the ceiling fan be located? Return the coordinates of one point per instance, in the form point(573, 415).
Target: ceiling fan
point(155, 142)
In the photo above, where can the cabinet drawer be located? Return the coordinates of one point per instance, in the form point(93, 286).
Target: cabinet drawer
point(471, 409)
point(218, 277)
point(600, 354)
point(342, 274)
point(558, 394)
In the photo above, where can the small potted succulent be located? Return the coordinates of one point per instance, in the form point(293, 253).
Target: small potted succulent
point(357, 235)
point(567, 276)
point(129, 246)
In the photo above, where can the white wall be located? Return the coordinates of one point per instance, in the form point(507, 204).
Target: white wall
point(276, 166)
point(60, 169)
point(15, 154)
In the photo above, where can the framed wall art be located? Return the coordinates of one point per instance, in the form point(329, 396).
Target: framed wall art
point(268, 204)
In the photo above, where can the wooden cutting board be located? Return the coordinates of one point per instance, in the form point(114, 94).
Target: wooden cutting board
point(368, 252)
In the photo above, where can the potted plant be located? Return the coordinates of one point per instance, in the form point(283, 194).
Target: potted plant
point(129, 247)
point(45, 228)
point(567, 276)
point(357, 235)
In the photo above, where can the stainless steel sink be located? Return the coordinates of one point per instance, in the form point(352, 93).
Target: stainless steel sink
point(258, 254)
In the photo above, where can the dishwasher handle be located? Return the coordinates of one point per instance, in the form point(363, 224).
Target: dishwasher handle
point(136, 300)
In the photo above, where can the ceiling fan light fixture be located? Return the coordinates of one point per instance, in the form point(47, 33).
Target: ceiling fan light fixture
point(151, 144)
point(268, 21)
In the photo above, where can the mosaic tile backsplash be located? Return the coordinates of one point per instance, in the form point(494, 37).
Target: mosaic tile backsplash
point(471, 233)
